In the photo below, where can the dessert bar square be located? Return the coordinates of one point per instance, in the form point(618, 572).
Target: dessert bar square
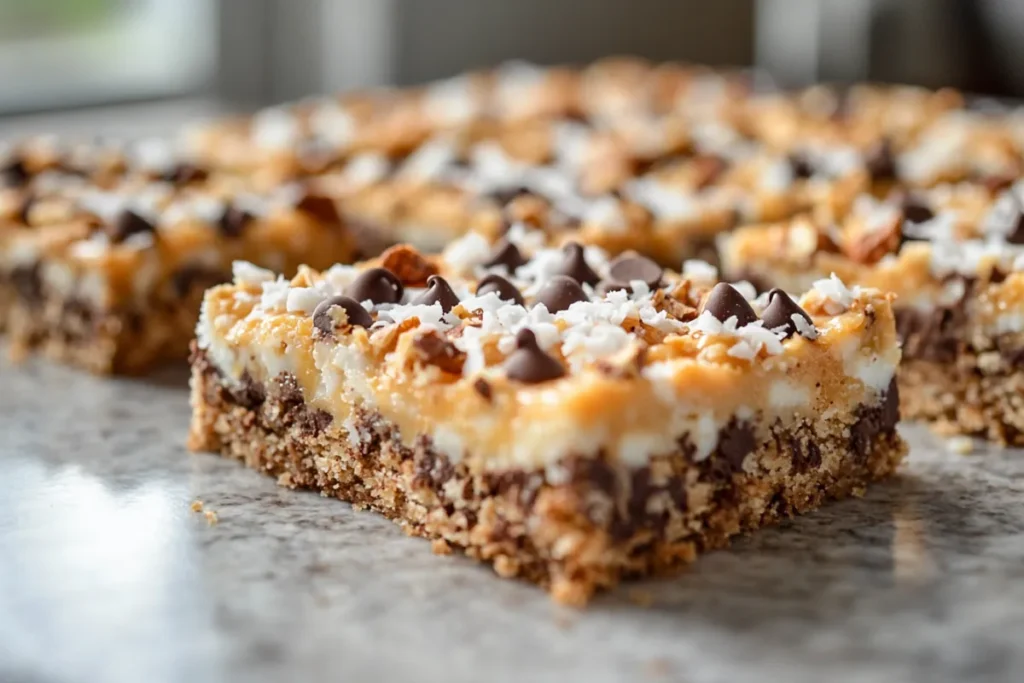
point(571, 419)
point(952, 255)
point(107, 273)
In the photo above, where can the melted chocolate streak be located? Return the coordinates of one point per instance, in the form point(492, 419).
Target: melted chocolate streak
point(632, 489)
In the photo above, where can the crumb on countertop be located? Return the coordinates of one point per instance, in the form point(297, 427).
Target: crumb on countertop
point(962, 445)
point(211, 517)
point(197, 505)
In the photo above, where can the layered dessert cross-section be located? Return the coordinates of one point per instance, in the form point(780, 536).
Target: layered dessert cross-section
point(571, 419)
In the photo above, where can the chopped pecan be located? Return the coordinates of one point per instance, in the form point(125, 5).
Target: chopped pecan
point(411, 267)
point(869, 247)
point(433, 349)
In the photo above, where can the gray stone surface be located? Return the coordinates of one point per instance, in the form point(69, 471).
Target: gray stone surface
point(107, 575)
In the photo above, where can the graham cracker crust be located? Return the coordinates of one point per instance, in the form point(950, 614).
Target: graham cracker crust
point(120, 341)
point(597, 525)
point(976, 396)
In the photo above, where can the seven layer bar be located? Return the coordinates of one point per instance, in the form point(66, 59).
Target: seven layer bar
point(954, 259)
point(569, 419)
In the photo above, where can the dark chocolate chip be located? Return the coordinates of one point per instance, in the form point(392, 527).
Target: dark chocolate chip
point(559, 293)
point(529, 363)
point(505, 290)
point(506, 195)
point(1016, 234)
point(780, 311)
point(735, 443)
point(890, 407)
point(629, 267)
point(320, 207)
point(434, 349)
point(127, 224)
point(483, 387)
point(25, 209)
point(726, 302)
point(438, 292)
point(916, 211)
point(505, 254)
point(27, 283)
point(194, 276)
point(185, 173)
point(379, 285)
point(574, 265)
point(14, 173)
point(879, 161)
point(800, 166)
point(248, 393)
point(233, 221)
point(323, 320)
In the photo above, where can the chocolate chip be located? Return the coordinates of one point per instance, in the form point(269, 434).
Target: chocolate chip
point(890, 407)
point(25, 209)
point(1016, 234)
point(320, 207)
point(194, 276)
point(434, 349)
point(185, 173)
point(323, 319)
point(529, 363)
point(879, 161)
point(735, 443)
point(916, 211)
point(27, 283)
point(780, 311)
point(379, 285)
point(233, 221)
point(505, 290)
point(559, 293)
point(438, 292)
point(574, 264)
point(483, 387)
point(505, 254)
point(629, 267)
point(14, 173)
point(800, 166)
point(505, 196)
point(127, 224)
point(724, 302)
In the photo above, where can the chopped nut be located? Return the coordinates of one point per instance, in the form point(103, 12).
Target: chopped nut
point(433, 349)
point(411, 267)
point(869, 247)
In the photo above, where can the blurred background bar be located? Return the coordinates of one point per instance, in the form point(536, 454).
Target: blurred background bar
point(209, 55)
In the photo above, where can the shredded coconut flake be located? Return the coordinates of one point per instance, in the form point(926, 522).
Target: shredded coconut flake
point(246, 273)
point(303, 300)
point(838, 297)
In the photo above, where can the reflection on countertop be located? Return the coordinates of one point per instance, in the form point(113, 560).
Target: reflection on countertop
point(107, 573)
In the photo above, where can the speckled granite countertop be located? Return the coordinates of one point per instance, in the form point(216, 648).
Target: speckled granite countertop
point(106, 573)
